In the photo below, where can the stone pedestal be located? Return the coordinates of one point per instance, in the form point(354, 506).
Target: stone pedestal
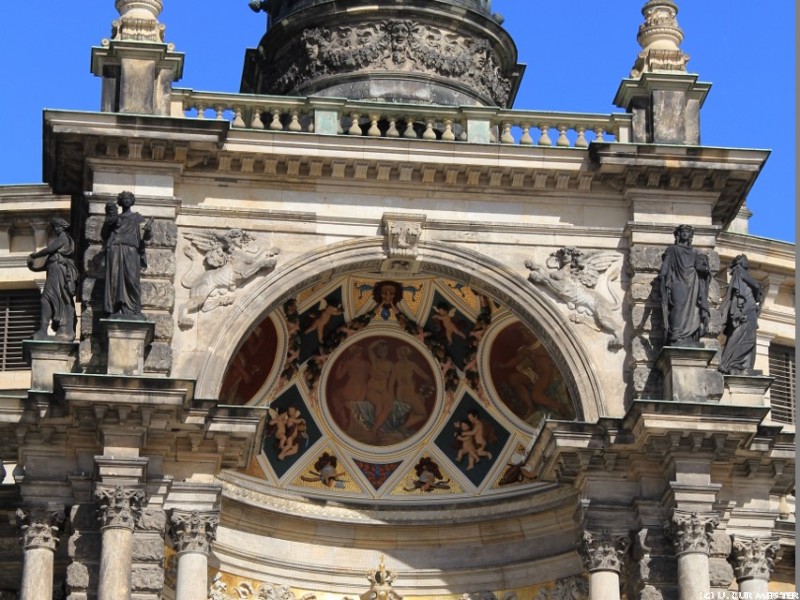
point(747, 390)
point(127, 340)
point(46, 358)
point(687, 377)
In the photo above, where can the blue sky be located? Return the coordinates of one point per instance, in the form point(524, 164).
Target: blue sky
point(576, 52)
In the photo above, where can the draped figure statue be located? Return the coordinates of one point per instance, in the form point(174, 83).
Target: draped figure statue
point(740, 310)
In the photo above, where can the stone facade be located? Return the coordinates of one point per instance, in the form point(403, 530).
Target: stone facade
point(393, 350)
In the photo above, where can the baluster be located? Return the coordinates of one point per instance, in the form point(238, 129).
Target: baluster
point(598, 131)
point(581, 142)
point(526, 139)
point(276, 124)
point(238, 121)
point(544, 139)
point(409, 132)
point(392, 131)
point(374, 130)
point(506, 137)
point(447, 134)
point(310, 127)
point(429, 133)
point(355, 129)
point(220, 110)
point(201, 111)
point(294, 125)
point(257, 123)
point(493, 135)
point(563, 140)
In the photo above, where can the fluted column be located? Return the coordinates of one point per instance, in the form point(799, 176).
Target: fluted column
point(39, 530)
point(691, 534)
point(603, 555)
point(120, 508)
point(192, 533)
point(753, 560)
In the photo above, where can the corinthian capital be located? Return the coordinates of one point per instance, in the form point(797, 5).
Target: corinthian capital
point(39, 527)
point(119, 507)
point(603, 552)
point(754, 558)
point(691, 532)
point(193, 531)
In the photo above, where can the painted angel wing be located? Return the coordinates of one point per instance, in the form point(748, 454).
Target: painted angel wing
point(592, 264)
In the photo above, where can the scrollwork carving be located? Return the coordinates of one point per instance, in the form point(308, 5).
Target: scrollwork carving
point(754, 558)
point(119, 507)
point(691, 532)
point(603, 552)
point(193, 531)
point(39, 528)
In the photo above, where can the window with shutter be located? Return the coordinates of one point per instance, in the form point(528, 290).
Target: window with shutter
point(19, 319)
point(783, 390)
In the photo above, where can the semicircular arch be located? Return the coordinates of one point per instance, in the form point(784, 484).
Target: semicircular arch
point(466, 266)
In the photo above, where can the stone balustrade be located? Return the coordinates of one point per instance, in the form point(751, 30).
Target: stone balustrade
point(336, 116)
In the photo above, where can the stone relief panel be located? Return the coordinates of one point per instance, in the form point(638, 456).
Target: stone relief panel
point(229, 260)
point(576, 277)
point(390, 45)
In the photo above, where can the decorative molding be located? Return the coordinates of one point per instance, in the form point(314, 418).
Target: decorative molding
point(193, 531)
point(603, 552)
point(754, 558)
point(119, 507)
point(39, 527)
point(691, 532)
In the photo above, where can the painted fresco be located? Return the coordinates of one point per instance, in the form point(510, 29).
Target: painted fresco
point(380, 390)
point(377, 474)
point(525, 377)
point(251, 365)
point(290, 431)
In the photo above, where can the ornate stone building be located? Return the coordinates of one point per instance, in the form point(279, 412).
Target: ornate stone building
point(399, 339)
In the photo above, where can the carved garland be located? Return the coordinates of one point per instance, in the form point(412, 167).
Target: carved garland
point(401, 45)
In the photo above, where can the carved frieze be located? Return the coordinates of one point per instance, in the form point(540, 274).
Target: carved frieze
point(572, 275)
point(119, 507)
point(603, 552)
point(391, 45)
point(691, 532)
point(39, 528)
point(754, 558)
point(193, 531)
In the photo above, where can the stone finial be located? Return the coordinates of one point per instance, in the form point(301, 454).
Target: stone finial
point(381, 588)
point(39, 527)
point(691, 532)
point(603, 552)
point(138, 21)
point(193, 531)
point(660, 37)
point(754, 558)
point(119, 507)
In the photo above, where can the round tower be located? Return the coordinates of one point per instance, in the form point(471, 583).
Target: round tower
point(451, 52)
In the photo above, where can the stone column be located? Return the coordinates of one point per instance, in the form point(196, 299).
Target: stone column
point(119, 510)
point(692, 533)
point(192, 532)
point(753, 560)
point(602, 556)
point(39, 529)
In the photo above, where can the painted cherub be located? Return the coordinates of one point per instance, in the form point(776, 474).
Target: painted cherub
point(327, 312)
point(444, 314)
point(466, 444)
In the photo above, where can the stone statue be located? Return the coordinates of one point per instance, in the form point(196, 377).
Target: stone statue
point(58, 296)
point(684, 290)
point(740, 310)
point(124, 239)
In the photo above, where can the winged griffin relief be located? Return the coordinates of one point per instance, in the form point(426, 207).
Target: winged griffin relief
point(572, 276)
point(221, 264)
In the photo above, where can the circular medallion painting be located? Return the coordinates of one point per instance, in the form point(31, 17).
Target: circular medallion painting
point(252, 365)
point(380, 390)
point(525, 377)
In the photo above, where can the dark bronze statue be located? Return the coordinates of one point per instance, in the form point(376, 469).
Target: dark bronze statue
point(740, 310)
point(58, 296)
point(124, 239)
point(684, 290)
